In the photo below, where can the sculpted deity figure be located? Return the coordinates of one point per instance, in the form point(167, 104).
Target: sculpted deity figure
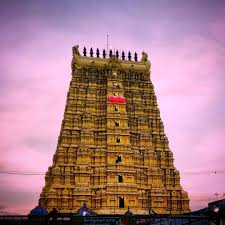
point(76, 50)
point(144, 57)
point(145, 60)
point(76, 54)
point(56, 170)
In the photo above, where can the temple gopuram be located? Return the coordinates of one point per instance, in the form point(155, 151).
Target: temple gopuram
point(112, 151)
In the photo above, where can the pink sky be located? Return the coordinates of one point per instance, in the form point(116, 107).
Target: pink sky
point(186, 46)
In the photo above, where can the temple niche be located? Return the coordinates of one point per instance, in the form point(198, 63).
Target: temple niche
point(112, 151)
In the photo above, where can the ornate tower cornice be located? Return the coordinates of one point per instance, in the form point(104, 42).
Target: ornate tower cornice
point(142, 66)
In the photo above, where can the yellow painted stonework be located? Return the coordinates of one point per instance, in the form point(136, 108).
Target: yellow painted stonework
point(113, 155)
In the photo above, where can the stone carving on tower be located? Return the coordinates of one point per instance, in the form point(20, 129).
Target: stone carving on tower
point(112, 151)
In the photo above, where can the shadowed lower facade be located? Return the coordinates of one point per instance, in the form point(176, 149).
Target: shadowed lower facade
point(112, 151)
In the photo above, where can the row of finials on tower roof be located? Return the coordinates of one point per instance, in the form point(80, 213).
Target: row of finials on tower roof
point(116, 54)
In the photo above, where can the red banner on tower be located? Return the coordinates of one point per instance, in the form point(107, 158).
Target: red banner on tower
point(117, 99)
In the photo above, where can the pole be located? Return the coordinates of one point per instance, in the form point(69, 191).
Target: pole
point(107, 45)
point(216, 194)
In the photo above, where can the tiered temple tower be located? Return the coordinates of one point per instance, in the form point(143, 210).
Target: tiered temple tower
point(112, 150)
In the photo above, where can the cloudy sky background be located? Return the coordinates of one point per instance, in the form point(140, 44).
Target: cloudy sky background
point(186, 45)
